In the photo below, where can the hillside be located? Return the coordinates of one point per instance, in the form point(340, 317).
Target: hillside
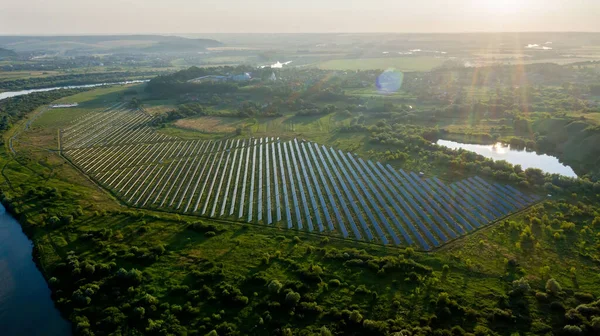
point(6, 53)
point(105, 43)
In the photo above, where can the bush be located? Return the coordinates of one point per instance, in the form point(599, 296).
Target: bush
point(292, 298)
point(572, 330)
point(275, 286)
point(553, 287)
point(355, 316)
point(335, 283)
point(521, 287)
point(210, 234)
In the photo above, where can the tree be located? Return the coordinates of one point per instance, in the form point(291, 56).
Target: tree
point(292, 298)
point(553, 287)
point(355, 316)
point(275, 286)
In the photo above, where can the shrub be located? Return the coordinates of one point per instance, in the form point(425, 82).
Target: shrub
point(542, 297)
point(292, 298)
point(521, 286)
point(355, 316)
point(572, 330)
point(275, 286)
point(335, 283)
point(553, 287)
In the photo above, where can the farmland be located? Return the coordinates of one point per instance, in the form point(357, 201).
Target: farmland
point(247, 179)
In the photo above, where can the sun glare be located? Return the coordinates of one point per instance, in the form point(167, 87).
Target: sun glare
point(500, 7)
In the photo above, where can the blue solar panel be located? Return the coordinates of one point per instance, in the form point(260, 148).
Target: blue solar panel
point(328, 218)
point(366, 209)
point(227, 187)
point(337, 193)
point(286, 200)
point(369, 198)
point(516, 199)
point(384, 182)
point(402, 198)
point(268, 171)
point(531, 198)
point(259, 211)
point(453, 207)
point(236, 185)
point(252, 175)
point(293, 188)
point(475, 200)
point(381, 182)
point(499, 197)
point(309, 186)
point(301, 187)
point(351, 200)
point(464, 203)
point(242, 197)
point(421, 205)
point(417, 192)
point(494, 206)
point(427, 193)
point(276, 184)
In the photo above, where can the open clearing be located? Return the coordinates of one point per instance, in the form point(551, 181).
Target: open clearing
point(210, 124)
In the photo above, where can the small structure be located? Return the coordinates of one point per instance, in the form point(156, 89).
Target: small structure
point(241, 77)
point(209, 78)
point(65, 105)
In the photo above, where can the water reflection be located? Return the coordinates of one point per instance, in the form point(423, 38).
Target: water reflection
point(526, 159)
point(25, 304)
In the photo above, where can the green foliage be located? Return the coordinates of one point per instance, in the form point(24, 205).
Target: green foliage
point(553, 287)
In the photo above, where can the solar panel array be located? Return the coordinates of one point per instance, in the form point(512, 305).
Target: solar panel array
point(290, 184)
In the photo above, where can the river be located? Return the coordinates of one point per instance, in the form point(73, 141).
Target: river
point(547, 163)
point(9, 94)
point(26, 308)
point(25, 304)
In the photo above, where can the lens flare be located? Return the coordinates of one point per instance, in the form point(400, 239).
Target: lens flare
point(389, 81)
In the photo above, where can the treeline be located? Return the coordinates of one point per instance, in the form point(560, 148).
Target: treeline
point(15, 108)
point(418, 142)
point(74, 79)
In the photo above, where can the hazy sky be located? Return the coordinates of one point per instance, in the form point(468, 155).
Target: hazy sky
point(289, 16)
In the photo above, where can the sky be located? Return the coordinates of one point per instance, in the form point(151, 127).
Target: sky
point(295, 16)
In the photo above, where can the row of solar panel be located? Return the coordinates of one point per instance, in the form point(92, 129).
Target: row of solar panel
point(307, 187)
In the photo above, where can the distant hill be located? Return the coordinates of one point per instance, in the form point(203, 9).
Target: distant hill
point(6, 53)
point(75, 45)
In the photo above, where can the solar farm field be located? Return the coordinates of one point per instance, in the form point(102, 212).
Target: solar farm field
point(292, 184)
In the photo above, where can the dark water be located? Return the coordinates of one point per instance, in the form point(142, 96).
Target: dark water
point(26, 308)
point(546, 163)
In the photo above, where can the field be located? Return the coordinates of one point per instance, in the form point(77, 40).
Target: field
point(106, 257)
point(274, 182)
point(424, 63)
point(209, 124)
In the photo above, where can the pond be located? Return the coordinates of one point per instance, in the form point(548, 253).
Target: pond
point(526, 159)
point(26, 307)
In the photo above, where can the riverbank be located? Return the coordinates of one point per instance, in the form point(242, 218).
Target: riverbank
point(26, 306)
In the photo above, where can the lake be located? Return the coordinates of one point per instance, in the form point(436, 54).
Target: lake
point(25, 304)
point(499, 151)
point(9, 94)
